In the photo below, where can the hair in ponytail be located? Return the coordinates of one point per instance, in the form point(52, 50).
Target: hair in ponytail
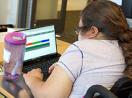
point(110, 20)
point(125, 42)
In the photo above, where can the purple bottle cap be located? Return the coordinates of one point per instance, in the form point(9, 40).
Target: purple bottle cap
point(16, 38)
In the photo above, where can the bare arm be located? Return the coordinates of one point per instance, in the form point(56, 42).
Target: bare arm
point(58, 85)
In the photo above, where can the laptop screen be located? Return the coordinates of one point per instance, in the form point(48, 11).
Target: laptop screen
point(40, 42)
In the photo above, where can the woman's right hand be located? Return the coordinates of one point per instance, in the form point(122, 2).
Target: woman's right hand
point(32, 76)
point(51, 68)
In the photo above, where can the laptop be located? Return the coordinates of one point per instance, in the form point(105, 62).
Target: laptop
point(41, 47)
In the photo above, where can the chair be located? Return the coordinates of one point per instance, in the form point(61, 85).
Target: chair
point(121, 89)
point(98, 91)
point(127, 8)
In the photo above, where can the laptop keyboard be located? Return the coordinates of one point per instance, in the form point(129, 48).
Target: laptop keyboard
point(44, 66)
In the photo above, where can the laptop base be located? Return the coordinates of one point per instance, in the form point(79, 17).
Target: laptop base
point(43, 64)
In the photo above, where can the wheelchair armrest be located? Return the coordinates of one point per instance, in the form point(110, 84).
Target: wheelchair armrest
point(103, 92)
point(122, 88)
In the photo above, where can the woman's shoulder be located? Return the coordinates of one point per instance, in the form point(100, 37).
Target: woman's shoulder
point(94, 42)
point(91, 44)
point(86, 41)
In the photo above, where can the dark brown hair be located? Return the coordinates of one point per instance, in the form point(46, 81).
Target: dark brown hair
point(110, 20)
point(89, 1)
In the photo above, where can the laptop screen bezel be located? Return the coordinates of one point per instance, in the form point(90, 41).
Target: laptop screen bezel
point(37, 59)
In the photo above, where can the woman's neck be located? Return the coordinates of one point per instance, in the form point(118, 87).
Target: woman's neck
point(101, 36)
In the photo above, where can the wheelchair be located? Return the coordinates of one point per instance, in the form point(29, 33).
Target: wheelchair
point(121, 89)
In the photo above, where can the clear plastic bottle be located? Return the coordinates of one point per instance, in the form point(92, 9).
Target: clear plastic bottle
point(14, 47)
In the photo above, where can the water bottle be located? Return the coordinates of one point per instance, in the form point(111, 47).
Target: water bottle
point(14, 48)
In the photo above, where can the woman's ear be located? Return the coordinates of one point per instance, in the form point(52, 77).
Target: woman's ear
point(92, 33)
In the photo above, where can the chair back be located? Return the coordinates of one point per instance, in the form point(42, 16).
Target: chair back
point(101, 91)
point(123, 88)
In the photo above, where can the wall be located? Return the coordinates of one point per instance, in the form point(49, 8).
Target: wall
point(12, 12)
point(3, 11)
point(74, 5)
point(46, 9)
point(9, 11)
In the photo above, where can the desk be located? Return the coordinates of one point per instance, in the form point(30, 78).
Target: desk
point(61, 46)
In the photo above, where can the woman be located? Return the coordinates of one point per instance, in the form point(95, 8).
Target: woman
point(101, 56)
